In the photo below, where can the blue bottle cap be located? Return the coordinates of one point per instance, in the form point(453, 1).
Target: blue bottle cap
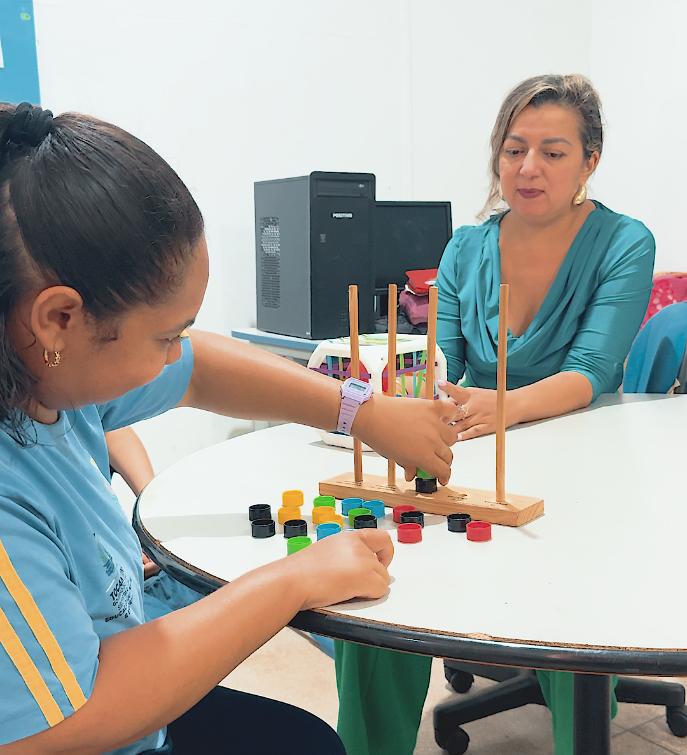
point(326, 529)
point(351, 503)
point(376, 506)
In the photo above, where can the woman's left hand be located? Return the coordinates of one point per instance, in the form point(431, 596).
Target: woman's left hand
point(478, 409)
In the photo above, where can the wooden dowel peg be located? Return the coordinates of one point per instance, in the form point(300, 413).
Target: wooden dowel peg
point(501, 379)
point(355, 372)
point(431, 341)
point(391, 365)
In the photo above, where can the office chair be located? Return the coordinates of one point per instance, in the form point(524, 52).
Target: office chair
point(518, 687)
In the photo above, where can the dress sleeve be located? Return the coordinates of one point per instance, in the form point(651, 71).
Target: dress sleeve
point(48, 646)
point(157, 397)
point(614, 314)
point(449, 334)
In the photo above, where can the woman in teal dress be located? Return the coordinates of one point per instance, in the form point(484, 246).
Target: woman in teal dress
point(580, 277)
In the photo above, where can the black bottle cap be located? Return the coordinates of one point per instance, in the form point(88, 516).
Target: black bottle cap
point(259, 511)
point(425, 485)
point(262, 527)
point(295, 528)
point(416, 517)
point(364, 521)
point(458, 522)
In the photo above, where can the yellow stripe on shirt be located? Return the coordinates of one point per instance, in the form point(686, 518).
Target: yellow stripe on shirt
point(29, 673)
point(42, 632)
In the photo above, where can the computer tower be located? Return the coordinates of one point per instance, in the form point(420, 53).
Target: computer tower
point(313, 238)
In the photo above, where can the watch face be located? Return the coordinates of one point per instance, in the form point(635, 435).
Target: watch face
point(357, 389)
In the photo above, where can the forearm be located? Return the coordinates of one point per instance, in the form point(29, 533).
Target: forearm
point(240, 380)
point(129, 458)
point(555, 395)
point(152, 674)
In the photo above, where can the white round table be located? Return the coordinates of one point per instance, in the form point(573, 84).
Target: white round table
point(595, 585)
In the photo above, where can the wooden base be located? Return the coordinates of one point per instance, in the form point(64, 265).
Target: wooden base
point(480, 504)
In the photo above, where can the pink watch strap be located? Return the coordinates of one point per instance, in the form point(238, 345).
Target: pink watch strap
point(347, 411)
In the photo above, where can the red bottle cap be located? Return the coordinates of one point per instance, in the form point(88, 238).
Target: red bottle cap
point(398, 510)
point(478, 531)
point(409, 533)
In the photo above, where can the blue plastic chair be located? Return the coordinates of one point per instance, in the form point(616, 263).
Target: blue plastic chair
point(658, 356)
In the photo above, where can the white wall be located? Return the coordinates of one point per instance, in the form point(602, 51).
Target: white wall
point(233, 92)
point(638, 62)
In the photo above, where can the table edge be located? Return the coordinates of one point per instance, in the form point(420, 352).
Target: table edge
point(496, 651)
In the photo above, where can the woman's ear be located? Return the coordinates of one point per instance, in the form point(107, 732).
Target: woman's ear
point(57, 315)
point(590, 166)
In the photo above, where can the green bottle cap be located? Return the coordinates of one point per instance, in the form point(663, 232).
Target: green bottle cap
point(324, 500)
point(295, 544)
point(423, 475)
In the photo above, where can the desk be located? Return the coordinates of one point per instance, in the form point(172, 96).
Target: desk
point(580, 589)
point(298, 349)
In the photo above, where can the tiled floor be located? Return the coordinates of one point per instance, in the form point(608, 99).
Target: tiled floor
point(290, 668)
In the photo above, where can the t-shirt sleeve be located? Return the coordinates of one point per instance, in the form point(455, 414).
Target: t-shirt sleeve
point(615, 311)
point(449, 333)
point(157, 397)
point(48, 646)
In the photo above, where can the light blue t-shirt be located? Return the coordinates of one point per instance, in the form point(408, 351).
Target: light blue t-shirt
point(585, 324)
point(70, 563)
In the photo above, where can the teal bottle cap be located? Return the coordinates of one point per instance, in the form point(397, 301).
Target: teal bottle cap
point(376, 506)
point(326, 529)
point(350, 503)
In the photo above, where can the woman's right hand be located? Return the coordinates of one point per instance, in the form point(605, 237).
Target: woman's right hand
point(351, 564)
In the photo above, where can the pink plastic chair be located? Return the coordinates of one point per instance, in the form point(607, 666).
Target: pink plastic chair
point(668, 288)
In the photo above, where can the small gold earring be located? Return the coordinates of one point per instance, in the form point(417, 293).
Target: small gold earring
point(581, 196)
point(55, 361)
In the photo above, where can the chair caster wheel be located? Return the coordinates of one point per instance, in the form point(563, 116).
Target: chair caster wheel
point(677, 720)
point(460, 681)
point(455, 743)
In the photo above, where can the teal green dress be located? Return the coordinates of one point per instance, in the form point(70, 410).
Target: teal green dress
point(586, 324)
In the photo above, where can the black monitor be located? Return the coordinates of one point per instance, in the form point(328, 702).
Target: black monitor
point(408, 236)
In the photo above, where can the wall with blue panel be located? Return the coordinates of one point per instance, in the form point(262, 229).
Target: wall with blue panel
point(18, 64)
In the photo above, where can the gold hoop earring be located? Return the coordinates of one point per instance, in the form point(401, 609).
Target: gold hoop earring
point(55, 361)
point(581, 196)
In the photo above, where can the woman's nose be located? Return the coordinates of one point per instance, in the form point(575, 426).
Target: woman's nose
point(530, 165)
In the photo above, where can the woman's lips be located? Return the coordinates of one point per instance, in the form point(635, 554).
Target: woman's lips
point(530, 193)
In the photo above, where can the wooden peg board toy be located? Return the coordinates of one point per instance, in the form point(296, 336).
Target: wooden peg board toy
point(497, 506)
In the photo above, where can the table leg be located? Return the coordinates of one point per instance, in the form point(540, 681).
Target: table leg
point(592, 714)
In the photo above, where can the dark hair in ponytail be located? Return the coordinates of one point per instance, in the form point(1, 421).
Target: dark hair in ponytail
point(83, 204)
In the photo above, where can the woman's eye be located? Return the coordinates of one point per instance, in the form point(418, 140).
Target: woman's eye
point(554, 155)
point(513, 152)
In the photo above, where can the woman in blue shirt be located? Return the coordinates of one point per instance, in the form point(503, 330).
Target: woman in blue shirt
point(103, 264)
point(579, 274)
point(580, 278)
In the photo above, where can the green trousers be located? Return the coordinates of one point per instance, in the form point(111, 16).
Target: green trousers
point(382, 693)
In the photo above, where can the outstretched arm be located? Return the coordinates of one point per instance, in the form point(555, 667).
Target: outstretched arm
point(236, 379)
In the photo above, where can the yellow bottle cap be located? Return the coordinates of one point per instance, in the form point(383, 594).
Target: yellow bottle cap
point(288, 512)
point(292, 498)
